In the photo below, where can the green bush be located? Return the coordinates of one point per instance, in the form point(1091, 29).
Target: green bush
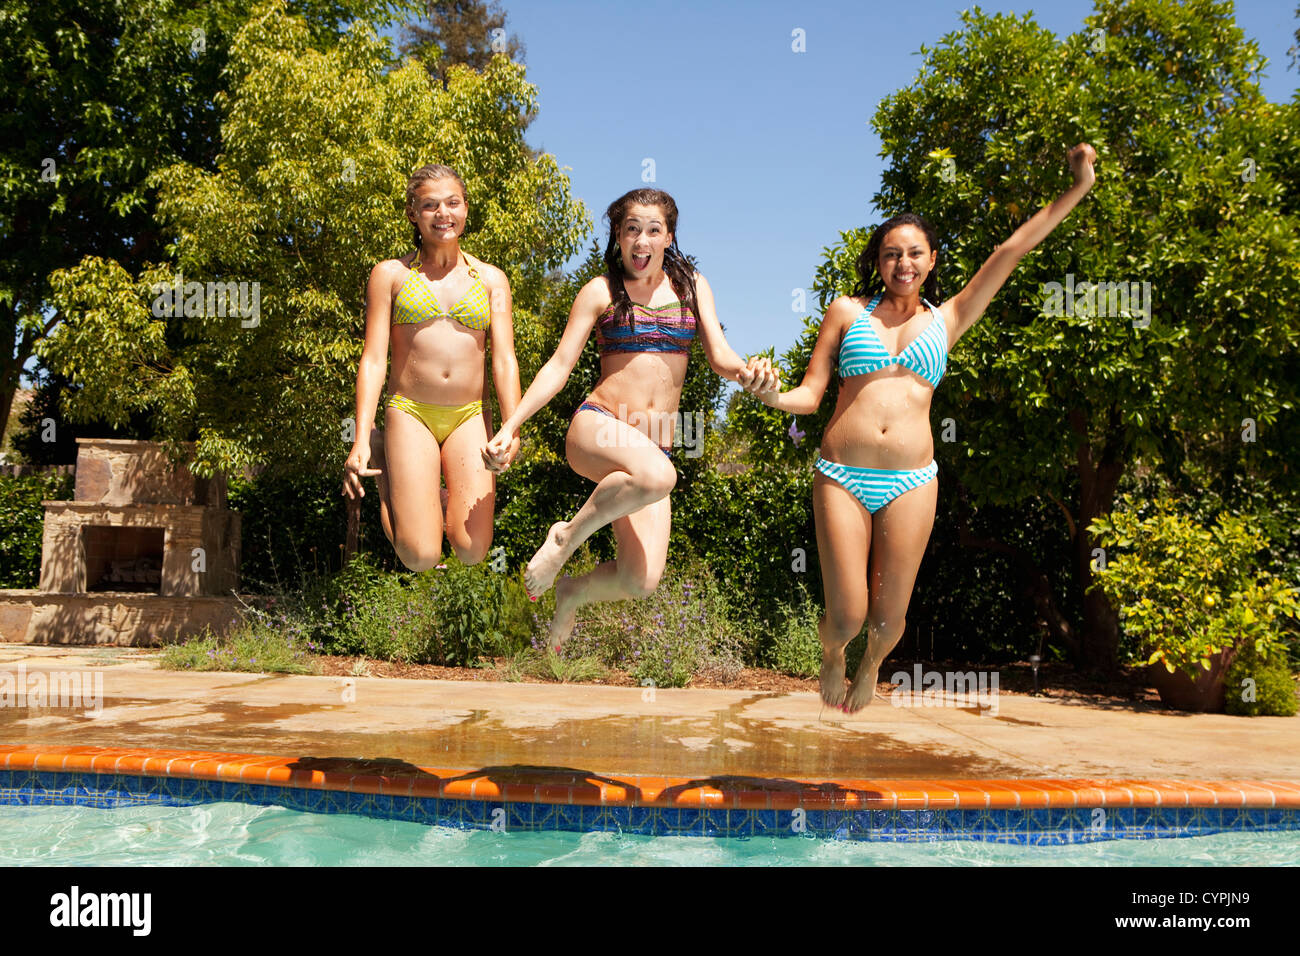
point(293, 528)
point(468, 612)
point(251, 646)
point(22, 524)
point(1186, 593)
point(451, 615)
point(796, 647)
point(1273, 690)
point(755, 533)
point(683, 629)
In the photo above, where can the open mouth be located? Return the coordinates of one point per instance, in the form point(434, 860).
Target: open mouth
point(641, 262)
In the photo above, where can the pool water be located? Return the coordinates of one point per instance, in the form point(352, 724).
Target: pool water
point(239, 834)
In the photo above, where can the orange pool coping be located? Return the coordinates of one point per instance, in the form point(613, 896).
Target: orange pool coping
point(580, 787)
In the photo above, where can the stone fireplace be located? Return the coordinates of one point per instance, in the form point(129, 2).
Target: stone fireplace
point(144, 553)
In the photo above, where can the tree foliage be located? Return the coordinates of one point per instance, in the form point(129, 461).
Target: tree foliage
point(468, 32)
point(95, 96)
point(1196, 195)
point(307, 195)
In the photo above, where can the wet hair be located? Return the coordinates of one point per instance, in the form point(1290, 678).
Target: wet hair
point(869, 280)
point(427, 174)
point(681, 273)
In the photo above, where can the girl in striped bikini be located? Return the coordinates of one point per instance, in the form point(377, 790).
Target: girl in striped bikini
point(875, 492)
point(435, 422)
point(646, 310)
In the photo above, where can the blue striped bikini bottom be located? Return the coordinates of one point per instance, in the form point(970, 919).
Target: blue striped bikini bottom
point(877, 487)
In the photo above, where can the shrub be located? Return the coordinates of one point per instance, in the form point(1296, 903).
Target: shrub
point(1260, 686)
point(796, 647)
point(468, 612)
point(1186, 593)
point(683, 629)
point(251, 645)
point(22, 524)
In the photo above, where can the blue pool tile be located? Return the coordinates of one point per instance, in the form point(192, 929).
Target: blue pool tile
point(1040, 826)
point(642, 820)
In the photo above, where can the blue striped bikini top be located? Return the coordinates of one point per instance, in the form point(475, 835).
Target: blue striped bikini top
point(861, 351)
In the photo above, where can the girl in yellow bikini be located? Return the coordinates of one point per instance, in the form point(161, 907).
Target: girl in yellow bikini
point(435, 421)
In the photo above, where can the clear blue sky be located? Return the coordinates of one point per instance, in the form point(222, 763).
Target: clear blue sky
point(768, 152)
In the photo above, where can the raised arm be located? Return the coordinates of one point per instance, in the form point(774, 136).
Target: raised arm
point(965, 308)
point(552, 376)
point(371, 373)
point(805, 398)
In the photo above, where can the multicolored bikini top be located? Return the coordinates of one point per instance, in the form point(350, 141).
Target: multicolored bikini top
point(862, 352)
point(417, 303)
point(662, 328)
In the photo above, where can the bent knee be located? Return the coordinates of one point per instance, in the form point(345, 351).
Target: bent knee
point(886, 626)
point(639, 584)
point(470, 554)
point(417, 558)
point(844, 625)
point(657, 482)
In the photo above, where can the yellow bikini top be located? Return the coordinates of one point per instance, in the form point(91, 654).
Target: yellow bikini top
point(416, 302)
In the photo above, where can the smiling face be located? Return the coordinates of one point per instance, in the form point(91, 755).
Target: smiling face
point(439, 210)
point(905, 259)
point(642, 238)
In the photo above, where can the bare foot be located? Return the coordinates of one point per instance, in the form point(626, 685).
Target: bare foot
point(832, 679)
point(864, 681)
point(546, 563)
point(566, 612)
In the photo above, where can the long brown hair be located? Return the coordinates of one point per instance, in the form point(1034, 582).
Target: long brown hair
point(681, 271)
point(869, 280)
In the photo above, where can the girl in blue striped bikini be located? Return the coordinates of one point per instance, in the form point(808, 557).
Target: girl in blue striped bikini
point(875, 492)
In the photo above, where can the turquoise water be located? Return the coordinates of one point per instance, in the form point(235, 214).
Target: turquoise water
point(238, 834)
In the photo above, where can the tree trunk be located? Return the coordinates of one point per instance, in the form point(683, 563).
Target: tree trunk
point(10, 367)
point(1035, 584)
point(1098, 648)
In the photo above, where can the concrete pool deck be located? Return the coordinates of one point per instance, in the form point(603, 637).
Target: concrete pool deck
point(626, 731)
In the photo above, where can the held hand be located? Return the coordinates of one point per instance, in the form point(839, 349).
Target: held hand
point(1082, 158)
point(500, 451)
point(499, 463)
point(758, 376)
point(355, 469)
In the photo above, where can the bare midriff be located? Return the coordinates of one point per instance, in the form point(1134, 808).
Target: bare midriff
point(881, 420)
point(439, 362)
point(641, 388)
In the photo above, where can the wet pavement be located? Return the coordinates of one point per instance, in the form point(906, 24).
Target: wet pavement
point(623, 730)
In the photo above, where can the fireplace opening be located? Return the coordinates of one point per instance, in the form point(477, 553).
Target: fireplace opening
point(123, 558)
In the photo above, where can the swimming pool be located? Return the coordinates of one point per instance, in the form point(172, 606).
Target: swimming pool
point(237, 834)
point(533, 802)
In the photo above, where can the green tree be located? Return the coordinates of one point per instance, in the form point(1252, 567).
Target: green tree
point(1196, 195)
point(469, 32)
point(95, 96)
point(307, 194)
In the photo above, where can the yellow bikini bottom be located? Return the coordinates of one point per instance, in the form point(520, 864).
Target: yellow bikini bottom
point(441, 420)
